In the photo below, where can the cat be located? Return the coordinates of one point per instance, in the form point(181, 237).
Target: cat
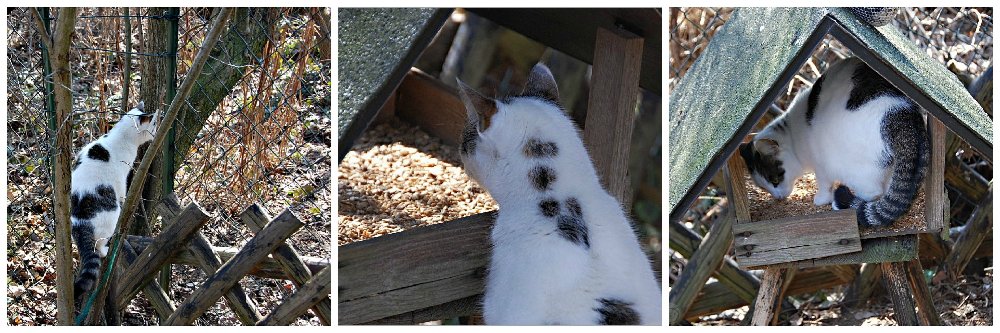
point(101, 176)
point(851, 128)
point(563, 251)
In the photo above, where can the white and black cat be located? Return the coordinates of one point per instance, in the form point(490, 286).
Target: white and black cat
point(563, 250)
point(101, 176)
point(851, 127)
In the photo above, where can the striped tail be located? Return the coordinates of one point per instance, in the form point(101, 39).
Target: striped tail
point(90, 260)
point(907, 136)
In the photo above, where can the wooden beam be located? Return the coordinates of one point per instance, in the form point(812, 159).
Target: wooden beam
point(267, 268)
point(307, 296)
point(256, 218)
point(896, 285)
point(206, 259)
point(460, 307)
point(700, 266)
point(874, 250)
point(934, 182)
point(921, 294)
point(233, 270)
point(412, 270)
point(771, 289)
point(154, 292)
point(741, 283)
point(171, 240)
point(979, 226)
point(797, 238)
point(612, 107)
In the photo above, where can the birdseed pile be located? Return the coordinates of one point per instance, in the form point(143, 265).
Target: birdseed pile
point(398, 177)
point(800, 202)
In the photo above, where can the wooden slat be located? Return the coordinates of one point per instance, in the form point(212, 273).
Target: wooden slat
point(716, 297)
point(797, 238)
point(435, 107)
point(267, 268)
point(611, 107)
point(896, 285)
point(255, 250)
point(875, 250)
point(934, 183)
point(172, 239)
point(414, 269)
point(206, 259)
point(307, 296)
point(457, 308)
point(741, 283)
point(256, 218)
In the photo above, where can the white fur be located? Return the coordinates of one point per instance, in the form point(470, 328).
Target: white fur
point(536, 276)
point(841, 146)
point(122, 143)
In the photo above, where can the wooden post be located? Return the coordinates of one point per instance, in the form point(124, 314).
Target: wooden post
point(896, 285)
point(255, 218)
point(741, 283)
point(700, 266)
point(206, 260)
point(233, 270)
point(921, 294)
point(308, 295)
point(63, 157)
point(771, 286)
point(612, 108)
point(172, 239)
point(934, 183)
point(979, 226)
point(267, 268)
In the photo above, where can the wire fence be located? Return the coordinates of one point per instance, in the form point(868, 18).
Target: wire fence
point(255, 130)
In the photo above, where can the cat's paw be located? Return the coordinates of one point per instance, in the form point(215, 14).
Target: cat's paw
point(823, 198)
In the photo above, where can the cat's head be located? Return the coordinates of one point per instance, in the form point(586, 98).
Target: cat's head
point(772, 165)
point(498, 130)
point(142, 124)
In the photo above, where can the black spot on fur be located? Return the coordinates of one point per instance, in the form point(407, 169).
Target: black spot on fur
point(549, 207)
point(842, 197)
point(542, 177)
point(98, 152)
point(536, 148)
point(469, 137)
point(573, 229)
point(87, 205)
point(617, 312)
point(574, 207)
point(817, 88)
point(868, 85)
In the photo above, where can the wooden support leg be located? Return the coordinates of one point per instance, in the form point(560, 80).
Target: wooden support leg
point(896, 285)
point(921, 294)
point(705, 260)
point(611, 107)
point(769, 296)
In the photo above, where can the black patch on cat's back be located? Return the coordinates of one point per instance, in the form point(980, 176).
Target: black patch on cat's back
point(536, 148)
point(542, 177)
point(85, 206)
point(574, 230)
point(617, 312)
point(98, 152)
point(817, 89)
point(868, 85)
point(549, 207)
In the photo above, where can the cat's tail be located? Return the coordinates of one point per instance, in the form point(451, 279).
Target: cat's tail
point(907, 137)
point(90, 260)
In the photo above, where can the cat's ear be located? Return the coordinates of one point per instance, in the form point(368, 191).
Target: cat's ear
point(766, 146)
point(542, 84)
point(478, 108)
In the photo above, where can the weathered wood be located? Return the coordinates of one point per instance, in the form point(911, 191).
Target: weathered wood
point(255, 250)
point(766, 303)
point(921, 294)
point(875, 250)
point(307, 296)
point(412, 270)
point(435, 107)
point(863, 286)
point(934, 182)
point(716, 297)
point(63, 152)
point(979, 226)
point(206, 259)
point(256, 218)
point(460, 307)
point(172, 239)
point(153, 291)
point(896, 285)
point(267, 268)
point(741, 283)
point(734, 174)
point(796, 238)
point(700, 266)
point(612, 105)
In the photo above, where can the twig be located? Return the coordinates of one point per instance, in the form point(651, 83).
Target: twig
point(46, 39)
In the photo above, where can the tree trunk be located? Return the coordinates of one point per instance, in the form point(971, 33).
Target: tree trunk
point(152, 91)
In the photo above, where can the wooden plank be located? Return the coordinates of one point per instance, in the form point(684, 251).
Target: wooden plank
point(770, 291)
point(700, 266)
point(797, 238)
point(875, 250)
point(394, 274)
point(255, 250)
point(267, 268)
point(934, 183)
point(206, 259)
point(921, 294)
point(896, 285)
point(255, 217)
point(457, 308)
point(716, 297)
point(307, 296)
point(611, 107)
point(435, 107)
point(171, 240)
